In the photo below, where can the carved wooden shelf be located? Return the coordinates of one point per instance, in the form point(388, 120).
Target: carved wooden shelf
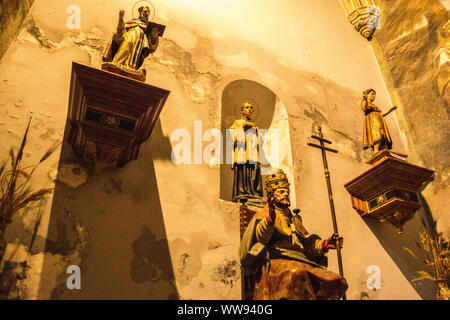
point(388, 191)
point(110, 115)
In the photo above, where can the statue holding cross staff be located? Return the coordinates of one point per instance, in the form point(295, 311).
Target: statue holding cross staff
point(284, 260)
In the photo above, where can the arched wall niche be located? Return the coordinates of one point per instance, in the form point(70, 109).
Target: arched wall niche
point(270, 114)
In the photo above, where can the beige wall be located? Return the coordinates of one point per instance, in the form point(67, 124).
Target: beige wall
point(305, 51)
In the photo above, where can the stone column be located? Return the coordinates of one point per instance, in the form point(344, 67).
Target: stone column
point(364, 15)
point(442, 57)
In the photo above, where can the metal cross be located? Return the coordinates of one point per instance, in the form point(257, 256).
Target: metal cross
point(324, 149)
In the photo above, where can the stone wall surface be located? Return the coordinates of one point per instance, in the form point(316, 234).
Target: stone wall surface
point(156, 230)
point(12, 14)
point(411, 48)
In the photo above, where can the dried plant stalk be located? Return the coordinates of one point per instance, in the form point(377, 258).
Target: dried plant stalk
point(436, 249)
point(15, 186)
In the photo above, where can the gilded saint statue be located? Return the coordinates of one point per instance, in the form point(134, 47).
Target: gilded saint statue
point(282, 258)
point(132, 42)
point(247, 180)
point(375, 132)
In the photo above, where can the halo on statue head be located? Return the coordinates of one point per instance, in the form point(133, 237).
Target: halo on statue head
point(238, 112)
point(144, 3)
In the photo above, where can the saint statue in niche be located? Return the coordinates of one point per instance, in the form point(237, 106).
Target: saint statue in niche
point(281, 258)
point(132, 42)
point(375, 133)
point(247, 180)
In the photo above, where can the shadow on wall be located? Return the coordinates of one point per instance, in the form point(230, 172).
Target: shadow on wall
point(111, 226)
point(234, 95)
point(395, 245)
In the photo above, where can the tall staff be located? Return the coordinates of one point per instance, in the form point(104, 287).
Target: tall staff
point(324, 149)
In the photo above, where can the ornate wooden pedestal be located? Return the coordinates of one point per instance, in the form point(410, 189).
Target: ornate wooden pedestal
point(245, 216)
point(388, 191)
point(110, 115)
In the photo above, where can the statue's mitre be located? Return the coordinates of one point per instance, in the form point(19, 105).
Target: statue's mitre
point(276, 181)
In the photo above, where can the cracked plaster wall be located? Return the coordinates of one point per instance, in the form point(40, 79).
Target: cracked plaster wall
point(318, 81)
point(406, 47)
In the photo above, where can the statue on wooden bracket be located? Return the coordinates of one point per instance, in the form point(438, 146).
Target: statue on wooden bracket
point(247, 179)
point(388, 190)
point(109, 129)
point(132, 42)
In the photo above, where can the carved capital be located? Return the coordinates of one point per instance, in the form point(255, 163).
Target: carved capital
point(364, 15)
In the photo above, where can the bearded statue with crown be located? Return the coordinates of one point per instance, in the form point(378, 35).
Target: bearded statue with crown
point(282, 258)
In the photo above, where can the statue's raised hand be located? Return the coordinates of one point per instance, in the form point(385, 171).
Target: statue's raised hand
point(333, 242)
point(120, 24)
point(272, 214)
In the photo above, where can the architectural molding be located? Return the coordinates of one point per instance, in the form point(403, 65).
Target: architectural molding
point(364, 15)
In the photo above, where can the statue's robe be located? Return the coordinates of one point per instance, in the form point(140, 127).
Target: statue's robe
point(375, 129)
point(247, 179)
point(290, 265)
point(131, 47)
